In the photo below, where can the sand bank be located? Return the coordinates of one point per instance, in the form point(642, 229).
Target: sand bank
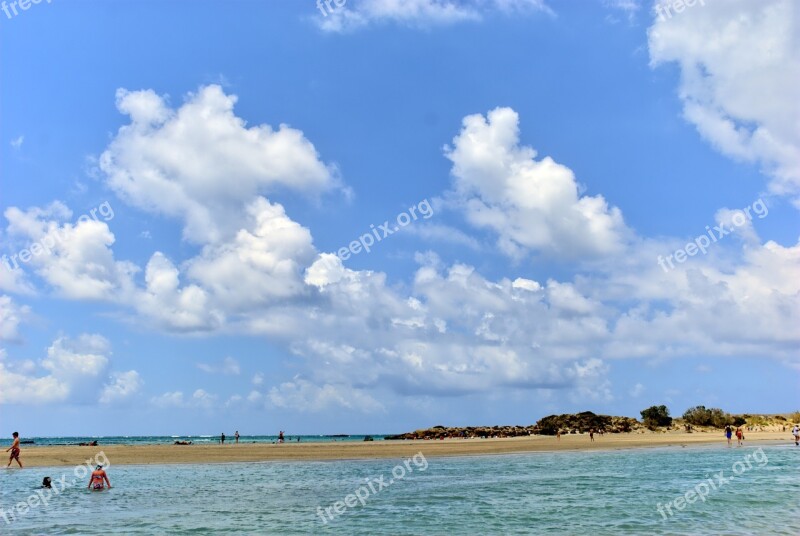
point(250, 452)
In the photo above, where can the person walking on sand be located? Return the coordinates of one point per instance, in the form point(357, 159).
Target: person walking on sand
point(739, 436)
point(591, 434)
point(796, 434)
point(236, 436)
point(222, 438)
point(558, 434)
point(728, 433)
point(280, 436)
point(98, 479)
point(14, 448)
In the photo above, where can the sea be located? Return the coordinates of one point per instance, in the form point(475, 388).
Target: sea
point(168, 440)
point(702, 490)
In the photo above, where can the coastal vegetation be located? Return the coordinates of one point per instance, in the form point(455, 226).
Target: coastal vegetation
point(656, 416)
point(702, 416)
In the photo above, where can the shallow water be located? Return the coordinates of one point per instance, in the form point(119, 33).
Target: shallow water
point(598, 493)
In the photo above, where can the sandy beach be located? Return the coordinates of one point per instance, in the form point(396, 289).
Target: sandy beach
point(244, 452)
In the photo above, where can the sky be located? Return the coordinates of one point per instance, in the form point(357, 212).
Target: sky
point(374, 216)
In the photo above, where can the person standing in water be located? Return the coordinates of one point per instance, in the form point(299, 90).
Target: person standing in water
point(99, 479)
point(728, 433)
point(796, 434)
point(14, 448)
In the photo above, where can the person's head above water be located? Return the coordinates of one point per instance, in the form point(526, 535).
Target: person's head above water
point(46, 482)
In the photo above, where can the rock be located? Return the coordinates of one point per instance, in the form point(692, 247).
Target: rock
point(567, 423)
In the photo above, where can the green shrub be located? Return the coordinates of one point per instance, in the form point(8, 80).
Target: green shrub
point(656, 416)
point(702, 416)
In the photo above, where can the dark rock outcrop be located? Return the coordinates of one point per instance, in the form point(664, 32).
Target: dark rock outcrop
point(585, 421)
point(567, 423)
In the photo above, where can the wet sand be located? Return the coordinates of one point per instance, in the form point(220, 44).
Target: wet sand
point(252, 452)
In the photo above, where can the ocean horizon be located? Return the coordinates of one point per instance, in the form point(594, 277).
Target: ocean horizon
point(195, 439)
point(749, 490)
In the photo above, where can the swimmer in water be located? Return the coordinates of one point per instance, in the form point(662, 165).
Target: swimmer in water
point(47, 483)
point(98, 479)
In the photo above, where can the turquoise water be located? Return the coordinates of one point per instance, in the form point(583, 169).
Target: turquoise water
point(586, 493)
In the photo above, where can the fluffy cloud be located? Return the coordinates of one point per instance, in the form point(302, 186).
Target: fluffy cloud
point(200, 399)
point(229, 366)
point(637, 390)
point(301, 395)
point(739, 62)
point(177, 308)
point(263, 263)
point(75, 259)
point(201, 164)
point(74, 370)
point(359, 13)
point(531, 205)
point(13, 279)
point(457, 333)
point(121, 386)
point(356, 337)
point(11, 316)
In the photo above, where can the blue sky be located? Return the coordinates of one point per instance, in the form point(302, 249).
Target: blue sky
point(230, 150)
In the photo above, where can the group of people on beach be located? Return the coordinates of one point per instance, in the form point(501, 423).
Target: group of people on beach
point(97, 481)
point(729, 432)
point(235, 437)
point(281, 438)
point(591, 434)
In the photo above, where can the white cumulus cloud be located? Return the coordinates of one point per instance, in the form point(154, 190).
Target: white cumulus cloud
point(740, 65)
point(531, 205)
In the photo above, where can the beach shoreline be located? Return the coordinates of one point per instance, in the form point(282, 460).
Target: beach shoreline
point(60, 456)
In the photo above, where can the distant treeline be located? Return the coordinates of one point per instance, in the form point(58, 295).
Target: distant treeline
point(656, 416)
